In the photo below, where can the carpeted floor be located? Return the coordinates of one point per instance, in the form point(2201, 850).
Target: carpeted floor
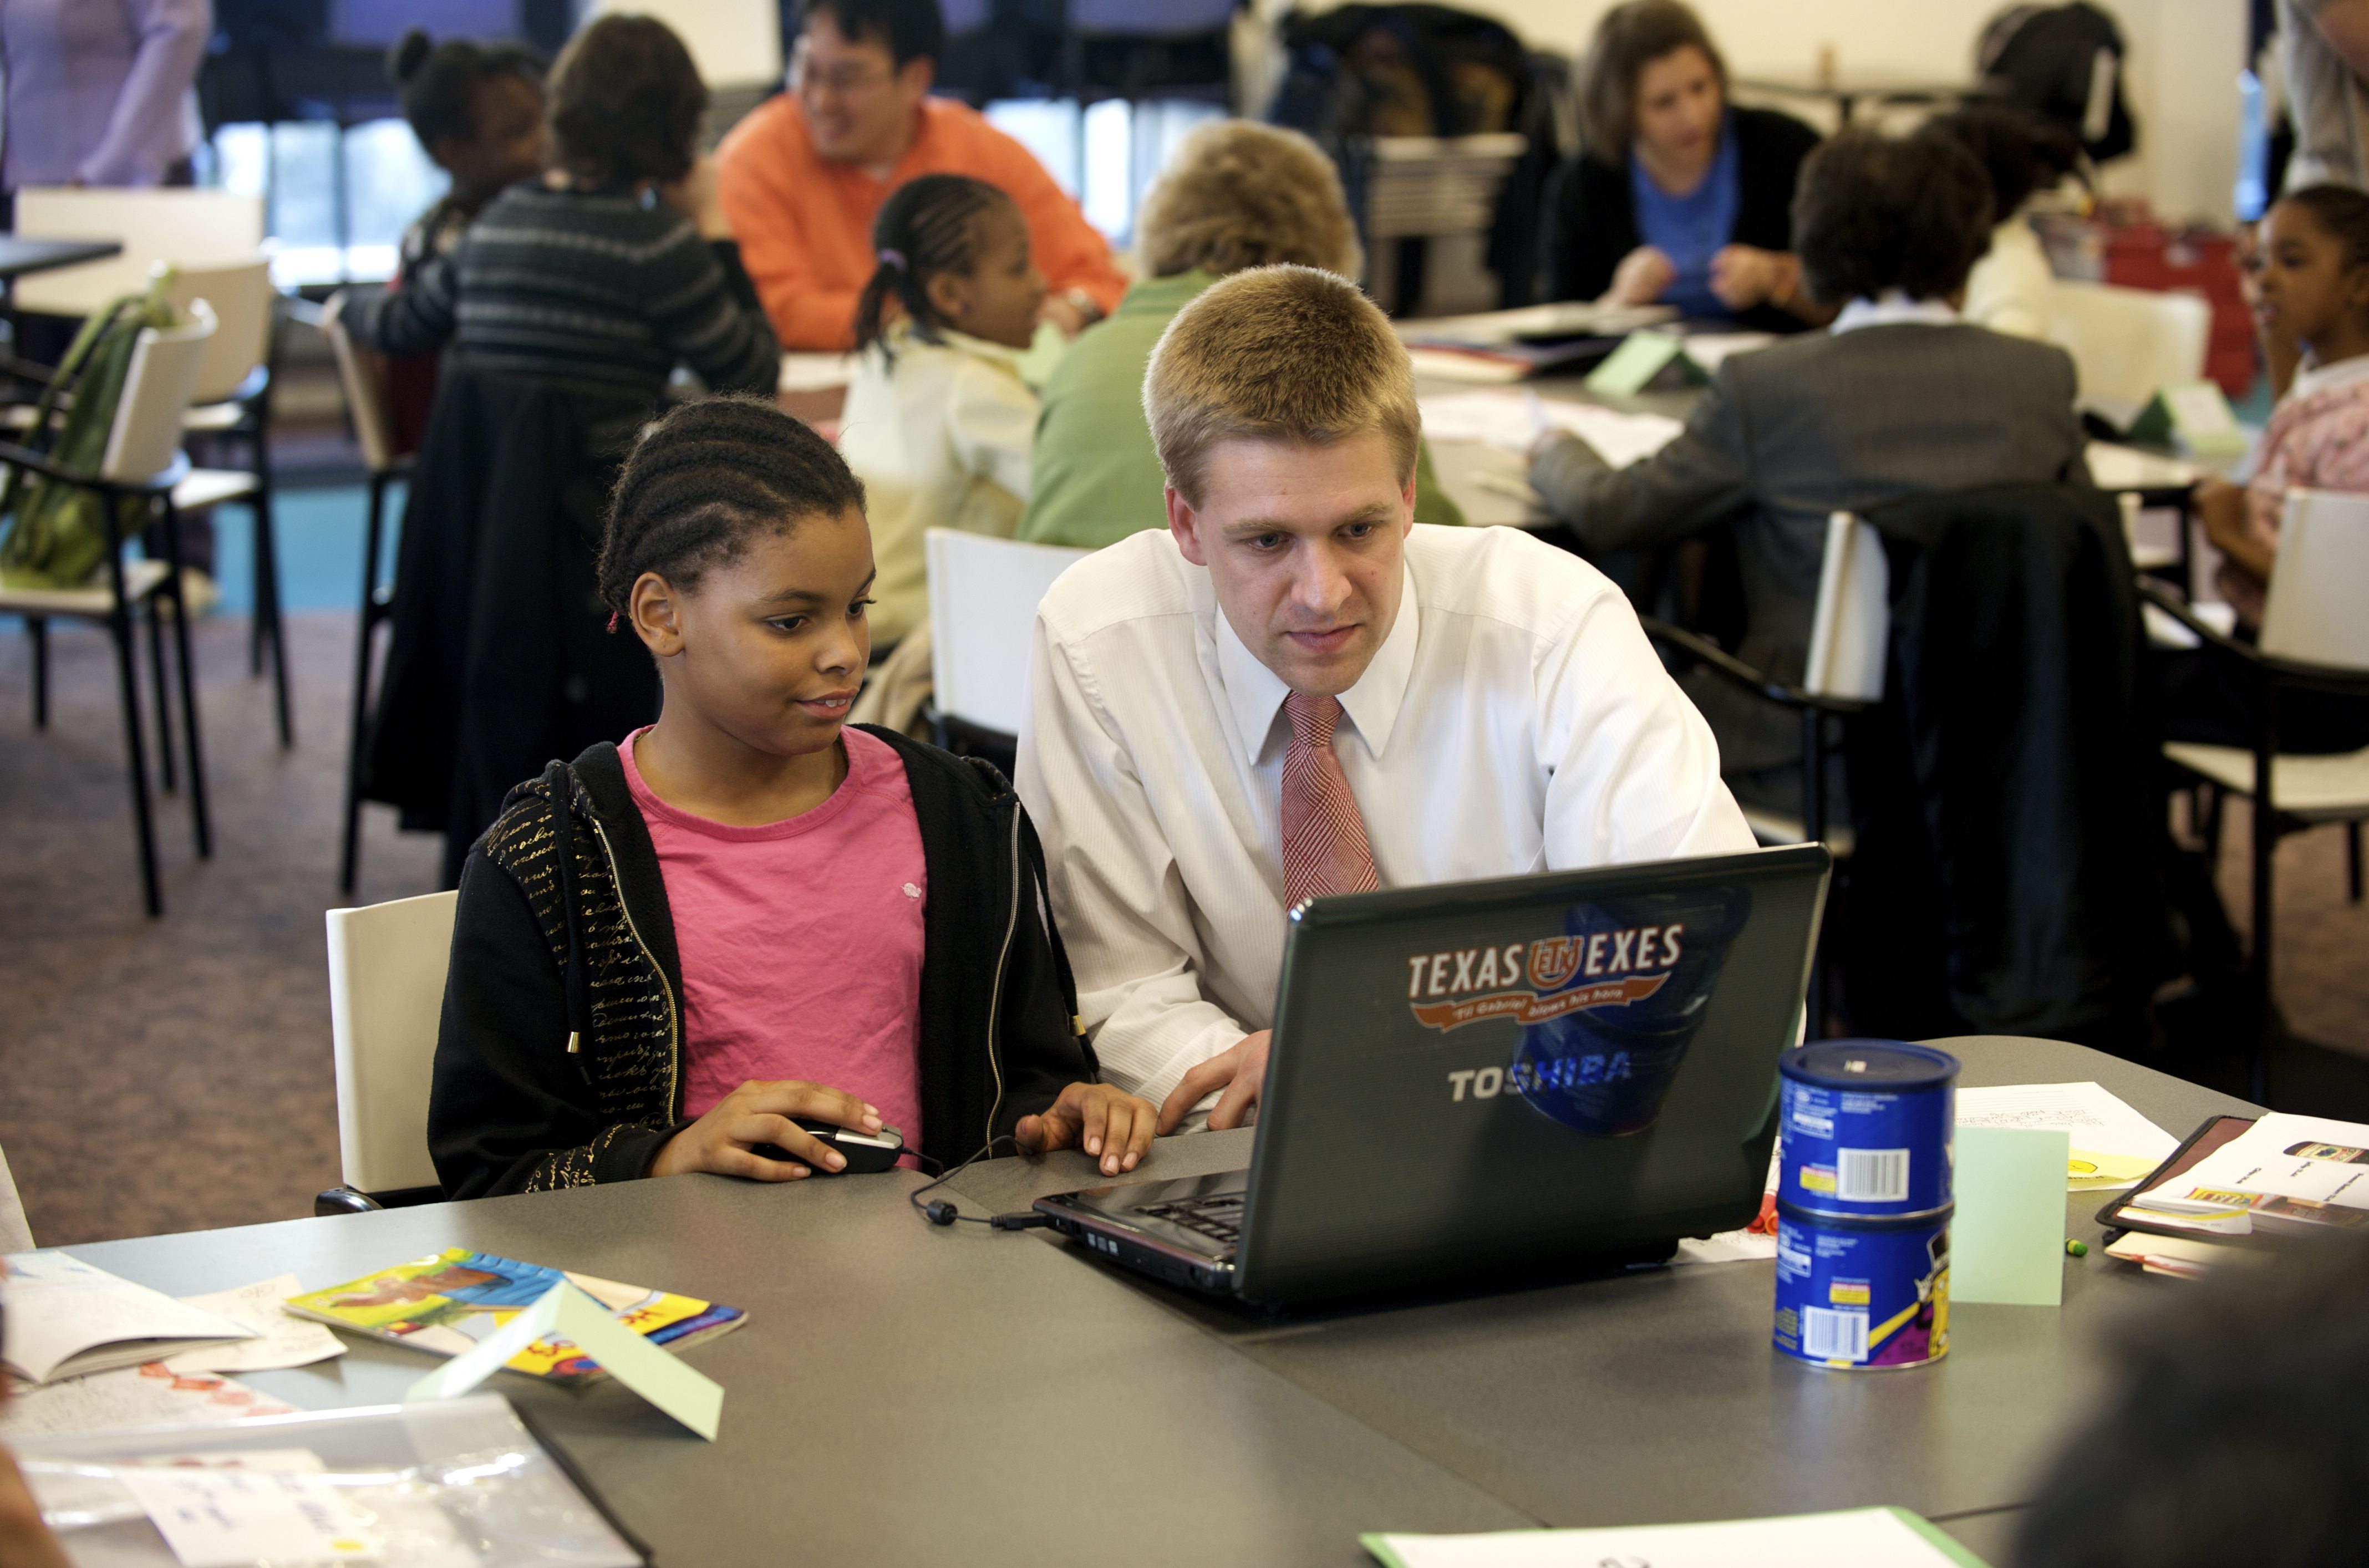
point(173, 1075)
point(176, 1074)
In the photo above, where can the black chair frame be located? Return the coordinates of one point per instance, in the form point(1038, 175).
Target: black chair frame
point(120, 621)
point(342, 1199)
point(2271, 675)
point(1817, 746)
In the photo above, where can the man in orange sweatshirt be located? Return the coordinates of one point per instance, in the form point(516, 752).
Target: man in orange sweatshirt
point(802, 176)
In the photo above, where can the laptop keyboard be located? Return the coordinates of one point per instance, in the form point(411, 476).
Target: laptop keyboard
point(1217, 1216)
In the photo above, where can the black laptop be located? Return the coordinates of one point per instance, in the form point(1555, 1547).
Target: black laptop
point(1531, 1074)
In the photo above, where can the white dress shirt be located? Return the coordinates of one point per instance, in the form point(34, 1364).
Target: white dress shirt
point(1513, 719)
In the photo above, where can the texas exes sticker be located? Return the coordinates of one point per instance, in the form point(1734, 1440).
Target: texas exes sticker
point(1536, 982)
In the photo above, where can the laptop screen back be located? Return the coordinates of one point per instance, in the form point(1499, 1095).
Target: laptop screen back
point(1526, 1072)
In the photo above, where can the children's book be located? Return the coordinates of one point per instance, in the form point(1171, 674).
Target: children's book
point(67, 1318)
point(449, 1302)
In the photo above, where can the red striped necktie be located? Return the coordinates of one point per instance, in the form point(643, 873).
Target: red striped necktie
point(1324, 845)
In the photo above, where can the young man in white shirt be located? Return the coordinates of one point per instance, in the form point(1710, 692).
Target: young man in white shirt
point(1295, 690)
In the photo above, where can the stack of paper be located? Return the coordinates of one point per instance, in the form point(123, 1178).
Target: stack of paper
point(1861, 1537)
point(2177, 1256)
point(2112, 1145)
point(150, 1395)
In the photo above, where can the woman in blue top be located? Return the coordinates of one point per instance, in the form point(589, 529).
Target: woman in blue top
point(1679, 197)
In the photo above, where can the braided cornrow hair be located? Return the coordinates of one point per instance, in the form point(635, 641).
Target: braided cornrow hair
point(704, 480)
point(927, 226)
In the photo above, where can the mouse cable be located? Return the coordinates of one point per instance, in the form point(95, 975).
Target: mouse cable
point(942, 1211)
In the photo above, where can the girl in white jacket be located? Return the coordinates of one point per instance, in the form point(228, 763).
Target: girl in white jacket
point(938, 423)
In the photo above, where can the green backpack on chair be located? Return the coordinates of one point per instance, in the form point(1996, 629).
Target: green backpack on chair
point(57, 532)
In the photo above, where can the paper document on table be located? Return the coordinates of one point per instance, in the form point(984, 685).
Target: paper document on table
point(2283, 1173)
point(2116, 467)
point(1712, 350)
point(2113, 1146)
point(1860, 1537)
point(66, 1318)
point(282, 1339)
point(230, 1518)
point(815, 372)
point(152, 1395)
point(1505, 420)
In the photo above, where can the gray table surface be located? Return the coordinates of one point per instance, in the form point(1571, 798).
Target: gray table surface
point(905, 1393)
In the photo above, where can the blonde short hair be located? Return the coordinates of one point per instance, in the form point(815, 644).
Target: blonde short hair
point(1278, 353)
point(1240, 194)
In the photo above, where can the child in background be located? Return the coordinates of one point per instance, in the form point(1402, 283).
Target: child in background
point(938, 424)
point(2311, 302)
point(2024, 157)
point(613, 269)
point(477, 110)
point(755, 911)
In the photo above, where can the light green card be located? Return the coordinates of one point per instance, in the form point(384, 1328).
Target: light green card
point(2007, 1244)
point(1639, 359)
point(565, 1312)
point(2195, 417)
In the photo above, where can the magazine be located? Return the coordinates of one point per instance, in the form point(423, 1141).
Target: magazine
point(449, 1302)
point(2283, 1173)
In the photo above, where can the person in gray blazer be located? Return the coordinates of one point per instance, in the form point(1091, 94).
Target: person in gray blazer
point(1898, 398)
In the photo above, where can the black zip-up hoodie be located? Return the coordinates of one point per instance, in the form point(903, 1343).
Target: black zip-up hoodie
point(560, 1060)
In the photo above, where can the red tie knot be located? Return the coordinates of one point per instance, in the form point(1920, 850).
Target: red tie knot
point(1313, 718)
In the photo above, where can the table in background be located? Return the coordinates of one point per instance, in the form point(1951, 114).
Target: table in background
point(907, 1393)
point(20, 257)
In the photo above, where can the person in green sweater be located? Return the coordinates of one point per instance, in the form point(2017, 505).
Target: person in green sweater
point(1238, 194)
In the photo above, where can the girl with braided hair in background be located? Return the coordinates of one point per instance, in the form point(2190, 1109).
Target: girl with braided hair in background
point(938, 422)
point(749, 910)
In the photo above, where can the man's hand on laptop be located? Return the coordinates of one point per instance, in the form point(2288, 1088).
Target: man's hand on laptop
point(1112, 1126)
point(1239, 1073)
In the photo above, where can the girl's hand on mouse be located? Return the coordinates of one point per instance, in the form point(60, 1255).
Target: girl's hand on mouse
point(1112, 1126)
point(761, 1113)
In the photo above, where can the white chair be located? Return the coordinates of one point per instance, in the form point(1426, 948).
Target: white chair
point(1850, 637)
point(2313, 635)
point(362, 374)
point(182, 227)
point(233, 403)
point(386, 1000)
point(143, 460)
point(983, 596)
point(16, 1232)
point(2128, 344)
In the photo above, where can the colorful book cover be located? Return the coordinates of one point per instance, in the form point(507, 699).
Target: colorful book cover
point(449, 1302)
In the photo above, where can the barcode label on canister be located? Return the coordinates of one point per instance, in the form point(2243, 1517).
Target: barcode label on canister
point(1871, 1175)
point(1829, 1335)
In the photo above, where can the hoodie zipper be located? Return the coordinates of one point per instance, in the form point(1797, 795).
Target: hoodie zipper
point(995, 998)
point(674, 1029)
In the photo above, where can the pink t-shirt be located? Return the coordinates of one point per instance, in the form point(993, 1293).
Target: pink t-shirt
point(801, 941)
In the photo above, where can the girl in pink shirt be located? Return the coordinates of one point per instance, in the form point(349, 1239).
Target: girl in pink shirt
point(748, 913)
point(2311, 290)
point(2312, 297)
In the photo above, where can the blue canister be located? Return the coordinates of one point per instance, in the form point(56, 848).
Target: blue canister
point(1865, 1129)
point(1856, 1294)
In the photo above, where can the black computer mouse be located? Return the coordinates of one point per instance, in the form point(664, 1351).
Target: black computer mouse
point(865, 1152)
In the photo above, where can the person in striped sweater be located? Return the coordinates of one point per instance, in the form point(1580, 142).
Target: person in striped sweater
point(616, 268)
